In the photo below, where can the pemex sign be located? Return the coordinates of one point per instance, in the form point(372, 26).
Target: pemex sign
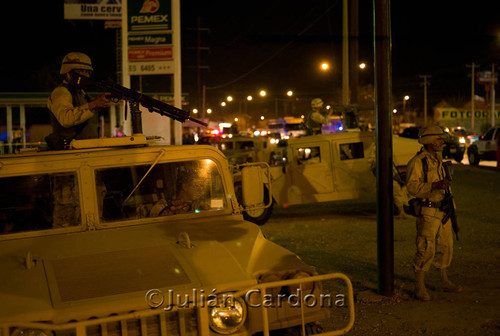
point(150, 48)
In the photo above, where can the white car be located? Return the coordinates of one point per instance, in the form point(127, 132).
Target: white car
point(485, 148)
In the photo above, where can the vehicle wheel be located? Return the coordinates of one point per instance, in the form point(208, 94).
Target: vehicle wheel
point(459, 157)
point(473, 156)
point(259, 216)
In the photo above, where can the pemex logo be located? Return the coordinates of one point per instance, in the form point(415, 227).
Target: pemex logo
point(150, 6)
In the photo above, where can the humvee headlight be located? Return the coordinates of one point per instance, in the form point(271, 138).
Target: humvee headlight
point(307, 287)
point(228, 315)
point(30, 332)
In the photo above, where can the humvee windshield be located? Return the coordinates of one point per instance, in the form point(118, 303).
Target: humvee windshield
point(39, 202)
point(52, 200)
point(162, 190)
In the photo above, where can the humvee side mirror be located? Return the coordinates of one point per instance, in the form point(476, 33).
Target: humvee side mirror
point(255, 181)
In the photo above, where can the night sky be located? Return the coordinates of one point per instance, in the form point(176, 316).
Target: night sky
point(273, 44)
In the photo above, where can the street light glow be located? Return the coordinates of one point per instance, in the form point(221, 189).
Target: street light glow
point(325, 66)
point(195, 111)
point(229, 98)
point(263, 93)
point(407, 97)
point(249, 98)
point(289, 93)
point(209, 111)
point(362, 65)
point(223, 103)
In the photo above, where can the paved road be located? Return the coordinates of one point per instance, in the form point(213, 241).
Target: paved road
point(482, 163)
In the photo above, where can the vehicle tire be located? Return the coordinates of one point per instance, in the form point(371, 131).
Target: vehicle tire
point(473, 156)
point(260, 216)
point(459, 157)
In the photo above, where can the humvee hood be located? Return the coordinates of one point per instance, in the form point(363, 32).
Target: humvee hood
point(116, 268)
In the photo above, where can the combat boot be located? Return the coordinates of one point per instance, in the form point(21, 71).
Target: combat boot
point(447, 285)
point(420, 291)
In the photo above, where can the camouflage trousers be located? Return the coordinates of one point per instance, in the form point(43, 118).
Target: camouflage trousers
point(434, 241)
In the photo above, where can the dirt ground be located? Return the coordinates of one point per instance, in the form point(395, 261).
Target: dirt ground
point(342, 237)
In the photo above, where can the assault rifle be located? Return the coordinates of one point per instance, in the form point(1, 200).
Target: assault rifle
point(118, 92)
point(449, 204)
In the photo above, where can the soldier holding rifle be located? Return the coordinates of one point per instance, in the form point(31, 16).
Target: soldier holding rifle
point(426, 180)
point(74, 114)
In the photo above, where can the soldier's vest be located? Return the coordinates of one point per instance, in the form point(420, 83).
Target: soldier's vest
point(85, 130)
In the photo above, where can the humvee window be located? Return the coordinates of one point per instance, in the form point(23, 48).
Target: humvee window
point(225, 146)
point(39, 202)
point(162, 190)
point(245, 145)
point(308, 155)
point(351, 151)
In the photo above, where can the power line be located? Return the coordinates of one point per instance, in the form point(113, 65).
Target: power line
point(276, 53)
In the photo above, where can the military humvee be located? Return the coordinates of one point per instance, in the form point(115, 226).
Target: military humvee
point(147, 240)
point(328, 167)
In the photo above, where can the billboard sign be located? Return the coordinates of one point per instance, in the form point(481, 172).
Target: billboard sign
point(92, 10)
point(449, 113)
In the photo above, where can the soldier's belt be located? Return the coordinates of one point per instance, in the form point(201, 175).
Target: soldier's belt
point(430, 204)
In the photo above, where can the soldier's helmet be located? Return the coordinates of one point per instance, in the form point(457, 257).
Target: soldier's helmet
point(75, 61)
point(429, 134)
point(317, 103)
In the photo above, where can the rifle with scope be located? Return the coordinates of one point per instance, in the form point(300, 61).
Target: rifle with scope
point(118, 92)
point(449, 203)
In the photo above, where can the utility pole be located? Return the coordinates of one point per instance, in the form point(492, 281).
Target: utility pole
point(345, 52)
point(425, 96)
point(492, 107)
point(354, 51)
point(385, 196)
point(199, 66)
point(473, 94)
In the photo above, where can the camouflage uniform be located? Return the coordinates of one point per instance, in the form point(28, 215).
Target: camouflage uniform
point(316, 118)
point(426, 180)
point(71, 114)
point(433, 237)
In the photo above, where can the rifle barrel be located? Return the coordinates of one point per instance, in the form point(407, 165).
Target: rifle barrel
point(123, 93)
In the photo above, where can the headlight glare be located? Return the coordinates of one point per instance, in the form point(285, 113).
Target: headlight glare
point(228, 315)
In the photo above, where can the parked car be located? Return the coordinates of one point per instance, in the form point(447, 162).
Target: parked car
point(454, 148)
point(485, 148)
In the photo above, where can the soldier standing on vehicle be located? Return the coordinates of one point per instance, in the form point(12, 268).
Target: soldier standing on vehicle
point(317, 117)
point(426, 181)
point(74, 114)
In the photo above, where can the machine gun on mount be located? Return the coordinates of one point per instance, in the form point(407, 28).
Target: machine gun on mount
point(118, 92)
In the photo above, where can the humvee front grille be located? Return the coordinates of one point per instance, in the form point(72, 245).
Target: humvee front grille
point(182, 322)
point(179, 323)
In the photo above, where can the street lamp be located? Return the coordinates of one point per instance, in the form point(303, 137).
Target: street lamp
point(404, 103)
